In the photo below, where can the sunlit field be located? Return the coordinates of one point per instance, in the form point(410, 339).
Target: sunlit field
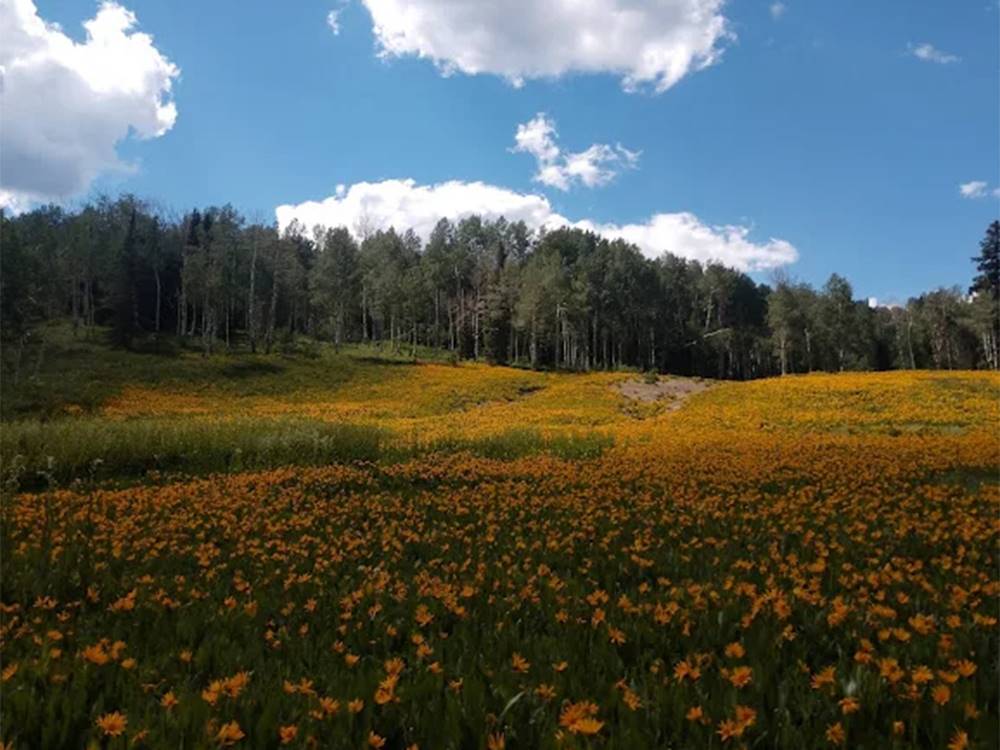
point(400, 555)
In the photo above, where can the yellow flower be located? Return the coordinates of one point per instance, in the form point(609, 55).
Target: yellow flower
point(287, 734)
point(959, 741)
point(169, 700)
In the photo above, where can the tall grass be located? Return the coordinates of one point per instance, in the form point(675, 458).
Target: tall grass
point(93, 448)
point(34, 453)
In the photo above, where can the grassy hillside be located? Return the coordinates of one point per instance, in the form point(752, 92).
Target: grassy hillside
point(97, 413)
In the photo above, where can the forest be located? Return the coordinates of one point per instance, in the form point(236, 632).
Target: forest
point(480, 289)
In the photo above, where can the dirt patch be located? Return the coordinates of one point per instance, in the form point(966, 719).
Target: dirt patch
point(672, 390)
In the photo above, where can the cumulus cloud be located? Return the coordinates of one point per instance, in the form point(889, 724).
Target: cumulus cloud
point(592, 167)
point(66, 105)
point(649, 44)
point(404, 204)
point(973, 189)
point(929, 53)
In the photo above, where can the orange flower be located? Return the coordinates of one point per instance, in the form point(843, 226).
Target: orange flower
point(631, 700)
point(520, 663)
point(826, 676)
point(849, 705)
point(96, 654)
point(695, 713)
point(966, 668)
point(835, 734)
point(355, 706)
point(959, 741)
point(229, 734)
point(579, 718)
point(740, 677)
point(545, 692)
point(729, 729)
point(685, 669)
point(746, 716)
point(941, 694)
point(112, 724)
point(235, 684)
point(375, 740)
point(169, 700)
point(329, 706)
point(735, 650)
point(495, 742)
point(288, 733)
point(921, 675)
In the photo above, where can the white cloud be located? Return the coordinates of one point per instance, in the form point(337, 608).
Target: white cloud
point(929, 53)
point(592, 167)
point(333, 21)
point(66, 105)
point(778, 10)
point(405, 204)
point(649, 44)
point(974, 189)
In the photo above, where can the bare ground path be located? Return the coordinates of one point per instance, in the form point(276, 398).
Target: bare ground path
point(673, 390)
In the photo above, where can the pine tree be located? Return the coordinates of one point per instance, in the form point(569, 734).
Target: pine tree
point(988, 263)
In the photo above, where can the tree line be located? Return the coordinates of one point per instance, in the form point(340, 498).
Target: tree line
point(480, 289)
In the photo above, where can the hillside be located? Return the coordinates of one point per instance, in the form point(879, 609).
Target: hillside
point(105, 413)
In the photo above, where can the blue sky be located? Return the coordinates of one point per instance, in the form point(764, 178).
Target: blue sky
point(824, 125)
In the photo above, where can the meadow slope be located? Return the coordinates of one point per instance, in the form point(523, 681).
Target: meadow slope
point(513, 560)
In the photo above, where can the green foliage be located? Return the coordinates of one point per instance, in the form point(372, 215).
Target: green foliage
point(481, 289)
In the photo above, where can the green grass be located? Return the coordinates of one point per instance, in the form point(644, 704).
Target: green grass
point(34, 454)
point(84, 371)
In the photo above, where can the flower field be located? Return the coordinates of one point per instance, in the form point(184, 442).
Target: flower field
point(804, 562)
